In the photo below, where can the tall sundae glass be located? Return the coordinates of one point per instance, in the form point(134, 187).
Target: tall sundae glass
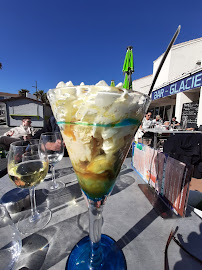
point(98, 124)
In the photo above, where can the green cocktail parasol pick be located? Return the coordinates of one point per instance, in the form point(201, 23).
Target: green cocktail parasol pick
point(128, 68)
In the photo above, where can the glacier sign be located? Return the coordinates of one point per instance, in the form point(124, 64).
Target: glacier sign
point(193, 81)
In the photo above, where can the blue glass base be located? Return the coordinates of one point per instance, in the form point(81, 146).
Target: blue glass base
point(113, 257)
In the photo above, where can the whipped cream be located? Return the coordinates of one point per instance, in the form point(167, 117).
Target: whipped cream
point(101, 103)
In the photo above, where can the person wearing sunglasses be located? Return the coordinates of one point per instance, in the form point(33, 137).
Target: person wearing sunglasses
point(146, 123)
point(24, 132)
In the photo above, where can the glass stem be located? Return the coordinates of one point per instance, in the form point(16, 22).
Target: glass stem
point(95, 226)
point(34, 213)
point(54, 183)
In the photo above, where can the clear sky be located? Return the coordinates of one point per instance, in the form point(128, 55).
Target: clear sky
point(85, 40)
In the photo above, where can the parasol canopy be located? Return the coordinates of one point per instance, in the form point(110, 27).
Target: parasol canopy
point(128, 68)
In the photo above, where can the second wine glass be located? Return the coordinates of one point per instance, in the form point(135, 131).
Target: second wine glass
point(53, 144)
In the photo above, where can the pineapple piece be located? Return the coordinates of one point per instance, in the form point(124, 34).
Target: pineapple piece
point(100, 164)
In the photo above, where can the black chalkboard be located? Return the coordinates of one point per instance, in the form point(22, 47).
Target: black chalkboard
point(190, 111)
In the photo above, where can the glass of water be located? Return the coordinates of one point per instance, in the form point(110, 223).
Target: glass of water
point(53, 144)
point(10, 241)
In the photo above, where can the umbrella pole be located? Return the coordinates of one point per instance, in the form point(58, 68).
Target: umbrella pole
point(130, 80)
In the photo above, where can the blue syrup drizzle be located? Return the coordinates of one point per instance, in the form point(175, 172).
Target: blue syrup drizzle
point(124, 123)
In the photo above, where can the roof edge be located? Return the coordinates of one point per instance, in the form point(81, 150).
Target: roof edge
point(176, 46)
point(143, 77)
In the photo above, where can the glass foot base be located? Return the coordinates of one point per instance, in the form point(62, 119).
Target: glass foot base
point(53, 190)
point(113, 257)
point(25, 226)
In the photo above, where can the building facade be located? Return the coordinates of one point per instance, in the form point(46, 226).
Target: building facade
point(178, 89)
point(3, 113)
point(19, 107)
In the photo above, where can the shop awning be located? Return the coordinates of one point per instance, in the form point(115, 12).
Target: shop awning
point(190, 82)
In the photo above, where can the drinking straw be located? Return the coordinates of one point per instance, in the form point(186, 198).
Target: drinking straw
point(164, 58)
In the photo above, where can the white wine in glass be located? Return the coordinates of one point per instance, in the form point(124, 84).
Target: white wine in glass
point(27, 168)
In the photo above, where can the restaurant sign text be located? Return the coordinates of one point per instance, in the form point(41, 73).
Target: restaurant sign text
point(185, 84)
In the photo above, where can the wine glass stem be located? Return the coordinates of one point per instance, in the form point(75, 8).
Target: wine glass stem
point(54, 183)
point(95, 226)
point(34, 213)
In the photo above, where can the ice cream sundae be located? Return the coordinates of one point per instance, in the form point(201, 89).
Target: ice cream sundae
point(98, 124)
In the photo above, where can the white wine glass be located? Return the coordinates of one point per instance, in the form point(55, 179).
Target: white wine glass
point(27, 168)
point(53, 143)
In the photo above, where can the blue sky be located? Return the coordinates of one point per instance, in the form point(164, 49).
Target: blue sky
point(60, 40)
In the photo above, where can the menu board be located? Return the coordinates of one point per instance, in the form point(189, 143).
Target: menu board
point(190, 112)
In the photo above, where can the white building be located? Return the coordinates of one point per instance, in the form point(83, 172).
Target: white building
point(3, 106)
point(178, 89)
point(14, 107)
point(19, 107)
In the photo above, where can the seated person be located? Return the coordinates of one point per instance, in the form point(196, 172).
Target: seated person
point(166, 124)
point(174, 123)
point(157, 120)
point(192, 127)
point(50, 126)
point(146, 123)
point(23, 132)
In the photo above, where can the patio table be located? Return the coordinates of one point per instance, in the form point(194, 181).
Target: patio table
point(158, 131)
point(129, 218)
